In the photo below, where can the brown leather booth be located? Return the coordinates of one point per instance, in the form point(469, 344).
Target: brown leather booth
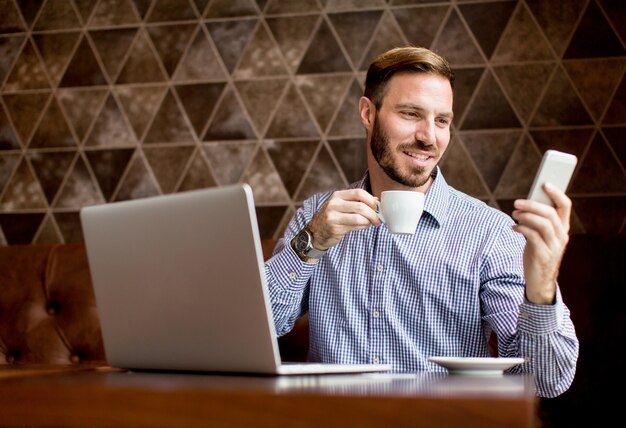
point(48, 315)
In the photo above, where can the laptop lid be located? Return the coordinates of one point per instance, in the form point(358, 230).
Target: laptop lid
point(179, 283)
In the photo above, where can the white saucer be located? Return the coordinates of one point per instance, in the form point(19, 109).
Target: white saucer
point(476, 365)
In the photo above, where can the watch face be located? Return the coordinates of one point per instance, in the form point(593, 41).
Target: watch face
point(302, 241)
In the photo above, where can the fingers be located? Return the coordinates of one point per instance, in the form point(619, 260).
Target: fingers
point(345, 210)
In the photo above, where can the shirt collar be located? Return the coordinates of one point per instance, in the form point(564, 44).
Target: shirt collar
point(437, 195)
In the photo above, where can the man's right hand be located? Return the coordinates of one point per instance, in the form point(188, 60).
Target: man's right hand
point(345, 210)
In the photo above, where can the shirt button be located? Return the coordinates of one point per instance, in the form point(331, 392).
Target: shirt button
point(525, 315)
point(293, 275)
point(375, 314)
point(375, 360)
point(380, 268)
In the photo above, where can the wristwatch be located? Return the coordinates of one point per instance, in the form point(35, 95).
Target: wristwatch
point(302, 244)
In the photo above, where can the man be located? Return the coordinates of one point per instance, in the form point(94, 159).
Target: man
point(467, 272)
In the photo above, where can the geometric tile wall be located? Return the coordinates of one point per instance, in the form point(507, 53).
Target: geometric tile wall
point(107, 100)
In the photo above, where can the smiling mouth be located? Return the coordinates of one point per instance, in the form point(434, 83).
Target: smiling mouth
point(419, 157)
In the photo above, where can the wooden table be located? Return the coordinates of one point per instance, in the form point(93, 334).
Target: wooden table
point(108, 397)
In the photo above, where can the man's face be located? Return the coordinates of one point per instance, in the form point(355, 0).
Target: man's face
point(411, 130)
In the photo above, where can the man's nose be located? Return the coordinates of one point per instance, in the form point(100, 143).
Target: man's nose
point(425, 132)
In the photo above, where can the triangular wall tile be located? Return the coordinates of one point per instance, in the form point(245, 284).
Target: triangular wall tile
point(557, 23)
point(574, 141)
point(70, 227)
point(170, 41)
point(431, 19)
point(48, 232)
point(520, 171)
point(292, 34)
point(201, 5)
point(347, 123)
point(57, 15)
point(8, 139)
point(142, 7)
point(616, 137)
point(456, 43)
point(168, 164)
point(262, 57)
point(352, 157)
point(82, 107)
point(171, 10)
point(108, 166)
point(198, 175)
point(23, 191)
point(200, 62)
point(491, 151)
point(231, 9)
point(323, 176)
point(137, 183)
point(616, 14)
point(487, 21)
point(522, 32)
point(386, 37)
point(264, 181)
point(53, 130)
point(25, 109)
point(142, 65)
point(337, 5)
point(594, 37)
point(140, 103)
point(229, 121)
point(355, 30)
point(596, 81)
point(465, 83)
point(10, 48)
point(110, 128)
point(50, 169)
point(112, 47)
point(490, 108)
point(28, 71)
point(55, 50)
point(611, 220)
point(269, 219)
point(616, 113)
point(560, 104)
point(29, 10)
point(324, 94)
point(460, 172)
point(169, 124)
point(20, 228)
point(113, 12)
point(231, 38)
point(524, 85)
point(10, 21)
point(291, 159)
point(599, 171)
point(79, 189)
point(285, 7)
point(83, 69)
point(199, 101)
point(229, 160)
point(323, 54)
point(85, 7)
point(292, 118)
point(260, 98)
point(8, 162)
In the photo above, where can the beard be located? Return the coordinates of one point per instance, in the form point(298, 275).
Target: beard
point(415, 176)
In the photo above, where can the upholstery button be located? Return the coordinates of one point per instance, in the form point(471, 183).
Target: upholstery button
point(75, 359)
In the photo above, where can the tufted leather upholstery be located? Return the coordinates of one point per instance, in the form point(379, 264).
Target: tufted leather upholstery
point(47, 307)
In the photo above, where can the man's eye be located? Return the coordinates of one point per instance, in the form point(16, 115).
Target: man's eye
point(410, 113)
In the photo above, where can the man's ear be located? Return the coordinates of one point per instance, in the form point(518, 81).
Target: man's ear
point(367, 112)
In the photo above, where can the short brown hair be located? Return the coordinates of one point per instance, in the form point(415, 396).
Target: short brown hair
point(409, 58)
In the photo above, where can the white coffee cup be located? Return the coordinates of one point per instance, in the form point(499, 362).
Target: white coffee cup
point(400, 210)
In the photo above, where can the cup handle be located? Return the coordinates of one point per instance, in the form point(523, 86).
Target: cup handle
point(379, 211)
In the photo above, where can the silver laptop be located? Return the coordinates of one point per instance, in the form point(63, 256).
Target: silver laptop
point(179, 284)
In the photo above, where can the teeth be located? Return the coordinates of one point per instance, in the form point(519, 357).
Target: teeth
point(418, 157)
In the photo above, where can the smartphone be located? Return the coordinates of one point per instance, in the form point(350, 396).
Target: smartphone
point(556, 168)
